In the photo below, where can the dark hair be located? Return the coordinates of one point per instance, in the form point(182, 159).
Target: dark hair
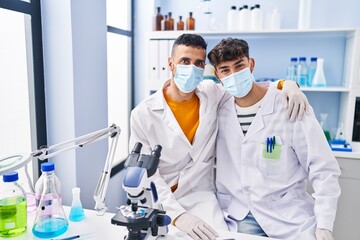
point(192, 40)
point(227, 50)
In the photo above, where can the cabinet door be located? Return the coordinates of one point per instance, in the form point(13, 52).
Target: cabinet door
point(347, 220)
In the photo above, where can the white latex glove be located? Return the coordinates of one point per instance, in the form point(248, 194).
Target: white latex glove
point(195, 227)
point(294, 100)
point(323, 234)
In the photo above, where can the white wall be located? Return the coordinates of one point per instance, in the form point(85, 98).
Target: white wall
point(74, 37)
point(324, 14)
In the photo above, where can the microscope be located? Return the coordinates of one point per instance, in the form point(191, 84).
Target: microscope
point(142, 215)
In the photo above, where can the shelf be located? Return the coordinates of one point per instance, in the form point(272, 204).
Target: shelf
point(352, 155)
point(325, 89)
point(271, 33)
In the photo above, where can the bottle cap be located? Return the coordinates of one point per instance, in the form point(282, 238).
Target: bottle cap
point(293, 59)
point(257, 6)
point(252, 8)
point(47, 167)
point(313, 59)
point(180, 17)
point(245, 6)
point(302, 58)
point(240, 8)
point(190, 13)
point(10, 177)
point(169, 14)
point(233, 7)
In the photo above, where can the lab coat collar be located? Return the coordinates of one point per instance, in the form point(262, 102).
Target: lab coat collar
point(169, 119)
point(267, 107)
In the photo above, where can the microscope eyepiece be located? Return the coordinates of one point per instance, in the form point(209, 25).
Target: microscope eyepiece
point(137, 148)
point(157, 151)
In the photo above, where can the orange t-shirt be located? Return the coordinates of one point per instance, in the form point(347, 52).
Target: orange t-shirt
point(186, 114)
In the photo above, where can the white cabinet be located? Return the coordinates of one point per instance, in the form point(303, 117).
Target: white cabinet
point(348, 213)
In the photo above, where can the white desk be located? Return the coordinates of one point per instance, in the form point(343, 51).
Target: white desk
point(102, 229)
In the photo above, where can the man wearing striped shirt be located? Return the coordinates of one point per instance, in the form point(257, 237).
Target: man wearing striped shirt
point(264, 162)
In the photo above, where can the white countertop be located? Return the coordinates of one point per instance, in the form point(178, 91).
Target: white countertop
point(100, 228)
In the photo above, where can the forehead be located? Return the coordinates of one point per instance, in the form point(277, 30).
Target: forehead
point(230, 63)
point(182, 51)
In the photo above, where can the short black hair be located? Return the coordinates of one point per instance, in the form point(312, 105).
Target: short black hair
point(227, 50)
point(192, 40)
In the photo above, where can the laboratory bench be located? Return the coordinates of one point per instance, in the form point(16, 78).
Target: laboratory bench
point(100, 228)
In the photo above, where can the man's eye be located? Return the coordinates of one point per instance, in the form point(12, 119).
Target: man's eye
point(200, 64)
point(185, 62)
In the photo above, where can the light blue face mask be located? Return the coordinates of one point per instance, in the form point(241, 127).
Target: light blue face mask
point(188, 77)
point(240, 83)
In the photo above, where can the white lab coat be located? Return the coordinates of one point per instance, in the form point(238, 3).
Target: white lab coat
point(189, 165)
point(275, 190)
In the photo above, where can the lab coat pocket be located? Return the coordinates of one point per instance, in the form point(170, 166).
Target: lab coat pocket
point(224, 200)
point(272, 162)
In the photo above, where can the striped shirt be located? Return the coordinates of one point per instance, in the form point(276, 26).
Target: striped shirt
point(246, 115)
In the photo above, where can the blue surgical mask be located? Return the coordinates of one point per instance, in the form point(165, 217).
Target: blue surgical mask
point(188, 77)
point(240, 83)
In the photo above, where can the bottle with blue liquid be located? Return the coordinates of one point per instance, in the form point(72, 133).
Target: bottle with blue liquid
point(291, 70)
point(76, 212)
point(302, 72)
point(50, 220)
point(312, 70)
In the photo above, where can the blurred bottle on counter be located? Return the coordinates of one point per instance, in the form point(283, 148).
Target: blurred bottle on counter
point(256, 18)
point(304, 14)
point(171, 22)
point(165, 23)
point(291, 70)
point(190, 22)
point(275, 20)
point(244, 17)
point(157, 20)
point(180, 24)
point(311, 72)
point(302, 72)
point(13, 215)
point(232, 19)
point(319, 76)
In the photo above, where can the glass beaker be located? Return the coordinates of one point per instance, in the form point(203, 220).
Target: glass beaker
point(50, 218)
point(323, 124)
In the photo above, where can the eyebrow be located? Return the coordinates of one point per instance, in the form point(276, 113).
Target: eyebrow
point(236, 63)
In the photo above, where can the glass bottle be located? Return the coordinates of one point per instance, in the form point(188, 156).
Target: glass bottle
point(291, 70)
point(190, 22)
point(13, 207)
point(323, 124)
point(171, 22)
point(50, 220)
point(319, 76)
point(76, 212)
point(39, 185)
point(312, 70)
point(180, 24)
point(157, 20)
point(165, 24)
point(302, 71)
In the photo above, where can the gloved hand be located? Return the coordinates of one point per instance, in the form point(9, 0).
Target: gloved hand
point(323, 234)
point(195, 227)
point(294, 100)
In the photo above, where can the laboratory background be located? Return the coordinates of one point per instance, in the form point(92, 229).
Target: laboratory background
point(69, 68)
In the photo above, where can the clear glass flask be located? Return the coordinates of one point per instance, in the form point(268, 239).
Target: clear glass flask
point(323, 124)
point(50, 218)
point(13, 215)
point(76, 212)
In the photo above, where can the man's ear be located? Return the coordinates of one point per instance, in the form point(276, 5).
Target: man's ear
point(252, 64)
point(215, 72)
point(170, 64)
